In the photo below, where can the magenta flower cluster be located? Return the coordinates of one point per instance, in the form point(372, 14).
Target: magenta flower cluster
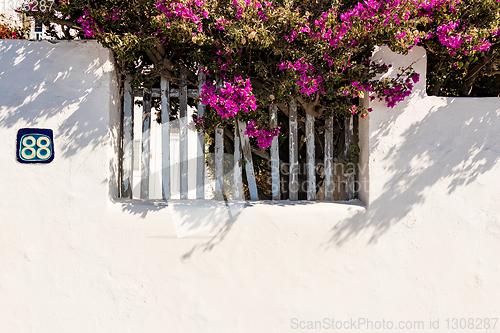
point(233, 97)
point(236, 96)
point(221, 24)
point(263, 135)
point(368, 12)
point(88, 24)
point(190, 11)
point(194, 11)
point(309, 81)
point(398, 91)
point(396, 94)
point(375, 14)
point(449, 35)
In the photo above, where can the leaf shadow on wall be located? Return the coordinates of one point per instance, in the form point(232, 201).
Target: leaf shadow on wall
point(448, 148)
point(37, 84)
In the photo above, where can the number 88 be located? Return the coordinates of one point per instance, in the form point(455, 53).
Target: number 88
point(29, 152)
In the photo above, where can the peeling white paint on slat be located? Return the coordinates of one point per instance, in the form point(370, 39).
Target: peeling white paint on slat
point(219, 155)
point(294, 151)
point(275, 155)
point(362, 176)
point(311, 167)
point(146, 137)
point(247, 155)
point(238, 181)
point(165, 135)
point(329, 186)
point(183, 140)
point(200, 146)
point(128, 140)
point(219, 167)
point(349, 139)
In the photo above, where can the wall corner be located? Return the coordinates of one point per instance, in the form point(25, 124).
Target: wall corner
point(114, 130)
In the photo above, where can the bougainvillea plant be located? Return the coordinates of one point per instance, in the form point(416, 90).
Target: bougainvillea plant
point(255, 53)
point(265, 52)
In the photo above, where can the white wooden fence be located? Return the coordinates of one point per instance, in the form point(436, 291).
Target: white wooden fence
point(242, 149)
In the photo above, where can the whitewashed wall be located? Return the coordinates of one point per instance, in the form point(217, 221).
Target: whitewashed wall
point(73, 259)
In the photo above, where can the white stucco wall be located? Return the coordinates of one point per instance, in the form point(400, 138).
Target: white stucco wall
point(74, 260)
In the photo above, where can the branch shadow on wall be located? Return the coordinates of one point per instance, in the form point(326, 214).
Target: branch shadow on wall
point(454, 152)
point(220, 231)
point(40, 83)
point(194, 220)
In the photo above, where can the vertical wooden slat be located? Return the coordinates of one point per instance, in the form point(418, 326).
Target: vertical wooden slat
point(183, 140)
point(200, 146)
point(165, 138)
point(238, 182)
point(311, 167)
point(349, 139)
point(146, 137)
point(219, 155)
point(247, 155)
point(275, 155)
point(361, 134)
point(294, 152)
point(329, 159)
point(128, 139)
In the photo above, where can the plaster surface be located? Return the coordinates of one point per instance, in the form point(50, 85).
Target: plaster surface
point(74, 259)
